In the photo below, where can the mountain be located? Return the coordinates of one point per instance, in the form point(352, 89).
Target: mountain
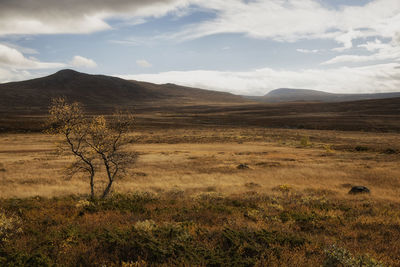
point(24, 105)
point(100, 92)
point(306, 95)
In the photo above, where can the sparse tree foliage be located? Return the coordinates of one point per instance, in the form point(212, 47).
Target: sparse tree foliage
point(96, 142)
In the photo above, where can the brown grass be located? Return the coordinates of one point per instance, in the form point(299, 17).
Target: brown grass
point(187, 202)
point(199, 160)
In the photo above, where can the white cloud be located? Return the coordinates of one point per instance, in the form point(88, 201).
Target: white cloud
point(293, 20)
point(346, 39)
point(14, 59)
point(22, 49)
point(143, 63)
point(373, 46)
point(134, 41)
point(362, 59)
point(285, 21)
point(307, 51)
point(79, 61)
point(8, 75)
point(397, 38)
point(288, 20)
point(380, 52)
point(279, 20)
point(374, 78)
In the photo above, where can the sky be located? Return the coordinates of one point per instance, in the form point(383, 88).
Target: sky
point(247, 47)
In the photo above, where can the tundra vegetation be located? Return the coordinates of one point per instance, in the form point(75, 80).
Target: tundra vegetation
point(186, 203)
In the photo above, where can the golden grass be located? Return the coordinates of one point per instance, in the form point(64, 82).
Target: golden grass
point(204, 160)
point(293, 196)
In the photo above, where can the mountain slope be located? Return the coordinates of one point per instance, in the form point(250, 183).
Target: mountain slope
point(100, 92)
point(24, 105)
point(306, 95)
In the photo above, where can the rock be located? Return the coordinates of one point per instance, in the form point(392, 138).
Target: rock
point(242, 166)
point(359, 190)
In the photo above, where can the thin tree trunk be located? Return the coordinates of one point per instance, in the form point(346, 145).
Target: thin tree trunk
point(107, 190)
point(110, 177)
point(92, 186)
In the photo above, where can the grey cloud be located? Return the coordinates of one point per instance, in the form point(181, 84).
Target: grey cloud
point(51, 8)
point(70, 16)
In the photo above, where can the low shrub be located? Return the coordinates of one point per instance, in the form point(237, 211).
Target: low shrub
point(210, 229)
point(337, 256)
point(10, 225)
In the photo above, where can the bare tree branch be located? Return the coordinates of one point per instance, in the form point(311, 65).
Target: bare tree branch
point(95, 140)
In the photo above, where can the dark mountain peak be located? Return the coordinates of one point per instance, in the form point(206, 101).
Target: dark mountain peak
point(65, 76)
point(67, 73)
point(308, 95)
point(79, 80)
point(73, 76)
point(101, 92)
point(281, 90)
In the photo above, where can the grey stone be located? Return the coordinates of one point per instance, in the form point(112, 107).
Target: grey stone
point(359, 190)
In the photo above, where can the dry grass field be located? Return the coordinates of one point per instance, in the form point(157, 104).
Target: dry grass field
point(187, 202)
point(198, 160)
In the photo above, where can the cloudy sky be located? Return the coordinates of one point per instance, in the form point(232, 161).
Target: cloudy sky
point(240, 46)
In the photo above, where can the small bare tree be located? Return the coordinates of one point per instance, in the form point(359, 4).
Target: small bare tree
point(94, 141)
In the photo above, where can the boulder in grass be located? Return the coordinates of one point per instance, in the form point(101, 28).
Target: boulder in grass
point(243, 166)
point(359, 190)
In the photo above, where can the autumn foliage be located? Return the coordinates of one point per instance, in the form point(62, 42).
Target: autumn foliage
point(96, 142)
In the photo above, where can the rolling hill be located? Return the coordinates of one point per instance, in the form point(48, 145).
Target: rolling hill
point(24, 105)
point(100, 92)
point(306, 95)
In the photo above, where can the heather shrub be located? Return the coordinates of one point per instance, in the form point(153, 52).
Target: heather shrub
point(10, 225)
point(338, 256)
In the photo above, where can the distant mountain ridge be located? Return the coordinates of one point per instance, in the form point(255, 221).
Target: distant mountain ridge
point(105, 93)
point(100, 92)
point(308, 95)
point(24, 105)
